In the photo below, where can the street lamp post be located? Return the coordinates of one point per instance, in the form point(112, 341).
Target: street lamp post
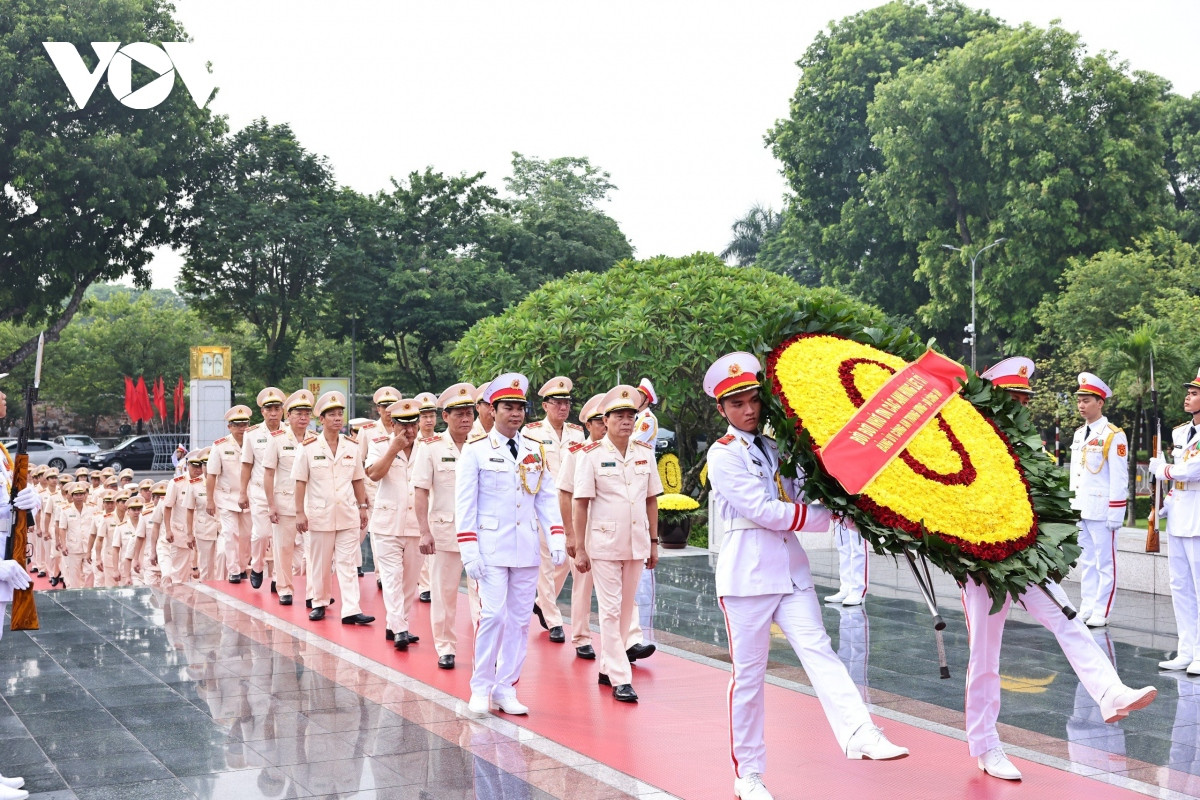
point(971, 333)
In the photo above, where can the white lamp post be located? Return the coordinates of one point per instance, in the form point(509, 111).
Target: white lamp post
point(972, 336)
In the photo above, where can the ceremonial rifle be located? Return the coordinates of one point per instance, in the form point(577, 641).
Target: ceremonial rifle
point(24, 611)
point(1156, 446)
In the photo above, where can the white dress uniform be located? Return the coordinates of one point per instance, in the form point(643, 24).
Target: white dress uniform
point(225, 462)
point(763, 578)
point(645, 427)
point(500, 501)
point(853, 567)
point(395, 533)
point(1100, 482)
point(1183, 528)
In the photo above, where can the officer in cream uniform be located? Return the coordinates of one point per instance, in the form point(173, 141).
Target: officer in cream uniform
point(252, 495)
point(1183, 528)
point(763, 578)
point(280, 489)
point(502, 495)
point(223, 485)
point(1100, 483)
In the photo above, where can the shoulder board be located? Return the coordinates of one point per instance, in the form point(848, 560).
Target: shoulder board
point(574, 427)
point(476, 438)
point(431, 439)
point(279, 432)
point(255, 426)
point(1114, 428)
point(352, 439)
point(1184, 425)
point(369, 424)
point(537, 424)
point(726, 439)
point(643, 444)
point(575, 446)
point(590, 447)
point(180, 478)
point(222, 440)
point(381, 438)
point(310, 440)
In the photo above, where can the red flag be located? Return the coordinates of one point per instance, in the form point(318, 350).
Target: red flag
point(160, 398)
point(141, 399)
point(177, 401)
point(130, 410)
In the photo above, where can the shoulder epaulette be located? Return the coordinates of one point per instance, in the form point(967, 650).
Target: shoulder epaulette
point(179, 478)
point(476, 438)
point(1184, 425)
point(368, 424)
point(431, 439)
point(352, 439)
point(279, 432)
point(383, 438)
point(587, 448)
point(537, 424)
point(726, 439)
point(643, 444)
point(574, 427)
point(571, 448)
point(222, 440)
point(254, 426)
point(310, 440)
point(1114, 428)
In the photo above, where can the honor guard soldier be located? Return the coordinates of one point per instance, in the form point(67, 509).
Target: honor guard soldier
point(615, 516)
point(223, 488)
point(1183, 529)
point(502, 495)
point(204, 529)
point(485, 413)
point(646, 429)
point(763, 578)
point(425, 429)
point(1100, 484)
point(433, 480)
point(555, 435)
point(985, 631)
point(252, 495)
point(331, 508)
point(280, 489)
point(393, 521)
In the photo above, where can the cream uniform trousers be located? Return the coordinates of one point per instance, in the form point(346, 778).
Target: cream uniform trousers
point(225, 462)
point(254, 451)
point(280, 457)
point(393, 523)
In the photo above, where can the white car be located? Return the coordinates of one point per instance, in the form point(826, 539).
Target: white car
point(48, 454)
point(78, 443)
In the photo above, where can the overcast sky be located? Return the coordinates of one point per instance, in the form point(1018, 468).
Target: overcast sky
point(673, 98)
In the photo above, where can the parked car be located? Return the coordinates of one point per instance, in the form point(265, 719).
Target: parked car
point(136, 452)
point(77, 442)
point(665, 441)
point(46, 453)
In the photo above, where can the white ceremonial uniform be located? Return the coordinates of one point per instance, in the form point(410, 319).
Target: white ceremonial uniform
point(984, 633)
point(617, 538)
point(396, 537)
point(332, 512)
point(551, 578)
point(280, 457)
point(435, 470)
point(498, 523)
point(1183, 528)
point(853, 567)
point(1100, 481)
point(762, 578)
point(225, 461)
point(645, 427)
point(254, 451)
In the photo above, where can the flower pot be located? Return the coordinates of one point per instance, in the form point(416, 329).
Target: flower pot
point(674, 535)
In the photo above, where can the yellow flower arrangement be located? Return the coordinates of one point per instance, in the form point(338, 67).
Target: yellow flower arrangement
point(676, 502)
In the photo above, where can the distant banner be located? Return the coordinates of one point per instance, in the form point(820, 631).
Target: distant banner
point(889, 419)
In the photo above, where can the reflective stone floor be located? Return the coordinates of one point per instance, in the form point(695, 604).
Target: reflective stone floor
point(133, 693)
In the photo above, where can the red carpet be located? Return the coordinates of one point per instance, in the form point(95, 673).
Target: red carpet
point(677, 737)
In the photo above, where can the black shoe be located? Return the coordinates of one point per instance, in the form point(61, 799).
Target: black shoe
point(640, 650)
point(603, 680)
point(54, 581)
point(317, 613)
point(242, 574)
point(379, 582)
point(235, 578)
point(273, 589)
point(256, 579)
point(408, 637)
point(446, 662)
point(425, 598)
point(360, 572)
point(285, 599)
point(390, 635)
point(537, 612)
point(557, 635)
point(625, 693)
point(41, 573)
point(308, 603)
point(585, 652)
point(401, 643)
point(357, 619)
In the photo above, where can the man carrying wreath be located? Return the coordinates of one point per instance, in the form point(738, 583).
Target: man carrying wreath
point(763, 577)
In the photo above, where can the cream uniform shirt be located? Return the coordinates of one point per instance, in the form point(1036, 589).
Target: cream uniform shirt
point(329, 500)
point(1099, 472)
point(225, 461)
point(281, 457)
point(176, 499)
point(77, 528)
point(258, 437)
point(619, 486)
point(435, 469)
point(366, 433)
point(393, 513)
point(553, 445)
point(205, 528)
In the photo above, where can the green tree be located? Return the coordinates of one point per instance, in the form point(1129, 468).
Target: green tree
point(828, 155)
point(270, 219)
point(1016, 134)
point(1181, 131)
point(554, 224)
point(751, 234)
point(87, 193)
point(665, 318)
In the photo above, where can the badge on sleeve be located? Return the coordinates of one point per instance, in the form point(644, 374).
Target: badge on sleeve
point(1121, 450)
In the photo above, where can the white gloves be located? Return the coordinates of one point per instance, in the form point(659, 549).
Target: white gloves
point(1158, 466)
point(14, 575)
point(557, 557)
point(27, 500)
point(475, 569)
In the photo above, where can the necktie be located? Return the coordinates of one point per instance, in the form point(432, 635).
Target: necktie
point(1191, 433)
point(512, 447)
point(758, 442)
